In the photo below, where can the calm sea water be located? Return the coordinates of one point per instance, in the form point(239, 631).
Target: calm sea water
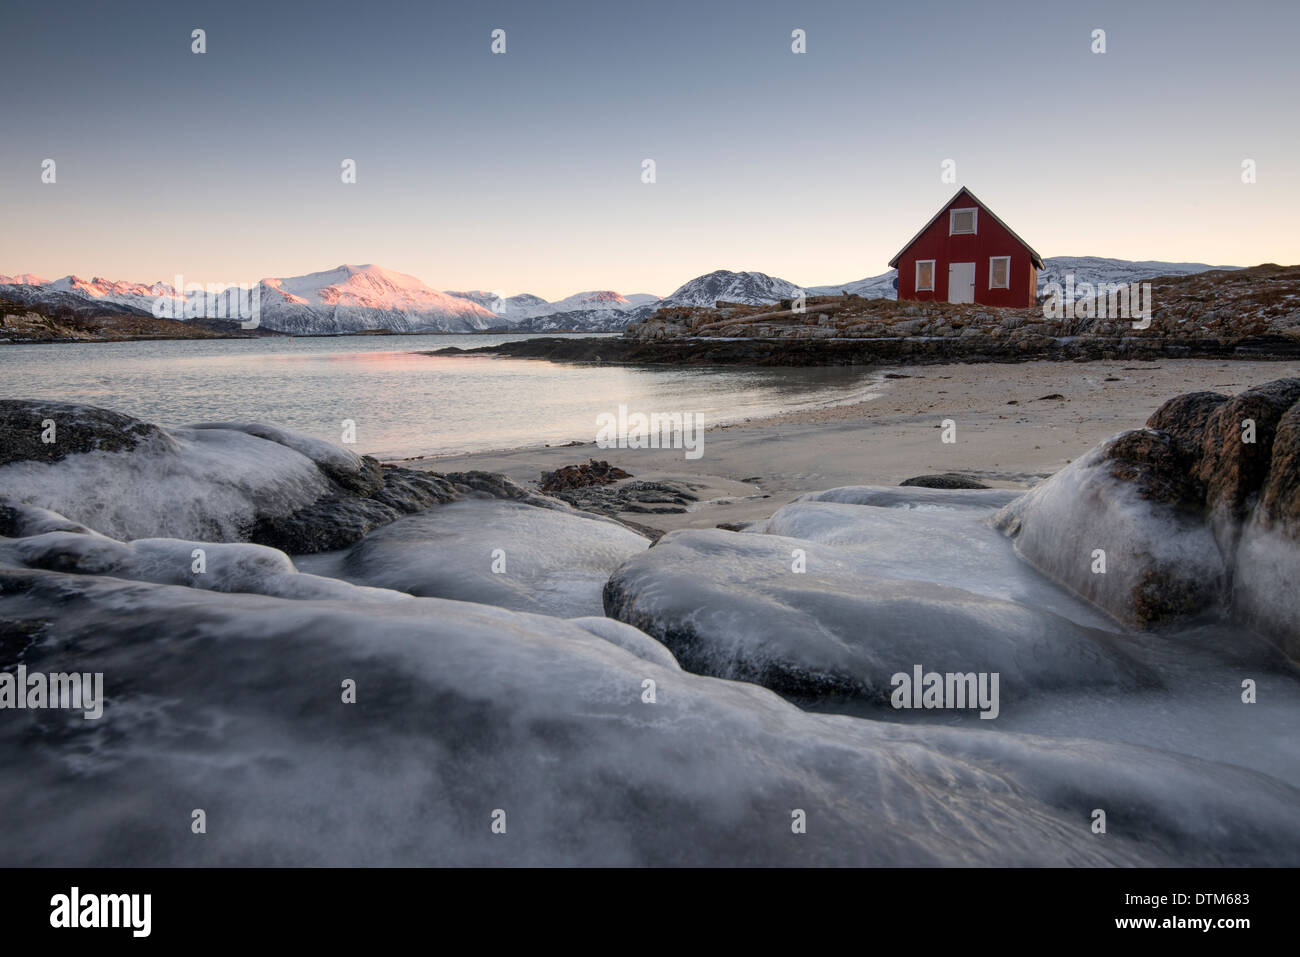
point(403, 404)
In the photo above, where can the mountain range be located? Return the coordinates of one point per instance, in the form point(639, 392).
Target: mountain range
point(369, 297)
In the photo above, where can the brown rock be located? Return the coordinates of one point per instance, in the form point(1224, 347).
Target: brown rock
point(581, 476)
point(1279, 505)
point(1234, 470)
point(1158, 467)
point(1184, 417)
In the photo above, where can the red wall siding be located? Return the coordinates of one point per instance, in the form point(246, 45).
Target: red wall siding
point(991, 239)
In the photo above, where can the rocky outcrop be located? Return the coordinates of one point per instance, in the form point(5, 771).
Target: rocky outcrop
point(1196, 512)
point(1236, 447)
point(225, 481)
point(1242, 313)
point(649, 498)
point(581, 476)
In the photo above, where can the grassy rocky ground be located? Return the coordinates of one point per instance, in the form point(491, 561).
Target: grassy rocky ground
point(1249, 313)
point(79, 321)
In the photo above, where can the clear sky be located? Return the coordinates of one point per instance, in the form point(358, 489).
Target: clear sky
point(522, 171)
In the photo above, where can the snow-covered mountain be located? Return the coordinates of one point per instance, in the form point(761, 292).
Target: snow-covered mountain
point(134, 296)
point(1096, 269)
point(599, 308)
point(589, 320)
point(751, 288)
point(593, 299)
point(507, 309)
point(884, 286)
point(345, 299)
point(359, 298)
point(637, 299)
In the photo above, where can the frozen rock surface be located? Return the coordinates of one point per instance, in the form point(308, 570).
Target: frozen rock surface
point(157, 557)
point(509, 554)
point(730, 604)
point(916, 497)
point(1198, 512)
point(232, 703)
point(222, 482)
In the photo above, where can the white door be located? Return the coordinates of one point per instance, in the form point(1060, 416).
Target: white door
point(961, 282)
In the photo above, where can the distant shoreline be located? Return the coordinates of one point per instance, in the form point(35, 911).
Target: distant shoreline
point(866, 352)
point(271, 334)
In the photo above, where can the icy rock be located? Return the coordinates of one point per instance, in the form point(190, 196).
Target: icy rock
point(510, 554)
point(77, 429)
point(233, 703)
point(917, 497)
point(253, 569)
point(1192, 516)
point(629, 639)
point(204, 484)
point(358, 474)
point(223, 482)
point(943, 546)
point(1161, 560)
point(18, 520)
point(729, 604)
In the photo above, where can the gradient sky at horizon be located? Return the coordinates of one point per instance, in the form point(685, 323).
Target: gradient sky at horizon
point(522, 172)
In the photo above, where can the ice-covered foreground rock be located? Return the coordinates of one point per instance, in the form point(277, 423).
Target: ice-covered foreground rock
point(913, 497)
point(833, 600)
point(217, 482)
point(38, 539)
point(508, 554)
point(1141, 557)
point(465, 715)
point(1198, 511)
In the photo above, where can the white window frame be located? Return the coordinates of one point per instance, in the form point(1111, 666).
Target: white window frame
point(1007, 284)
point(917, 279)
point(974, 220)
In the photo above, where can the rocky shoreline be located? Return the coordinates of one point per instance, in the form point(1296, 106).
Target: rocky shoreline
point(636, 701)
point(1238, 314)
point(867, 352)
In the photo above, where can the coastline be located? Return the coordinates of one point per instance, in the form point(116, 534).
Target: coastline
point(1008, 434)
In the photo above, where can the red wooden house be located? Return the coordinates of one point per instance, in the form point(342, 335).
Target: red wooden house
point(966, 254)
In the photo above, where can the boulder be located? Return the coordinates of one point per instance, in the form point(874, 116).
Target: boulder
point(551, 561)
point(1191, 515)
point(36, 431)
point(1123, 527)
point(222, 481)
point(581, 476)
point(1234, 470)
point(736, 605)
point(942, 480)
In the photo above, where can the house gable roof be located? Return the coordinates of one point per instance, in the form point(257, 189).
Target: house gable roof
point(1034, 257)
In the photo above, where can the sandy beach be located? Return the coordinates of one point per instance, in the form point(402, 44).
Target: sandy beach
point(1011, 433)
